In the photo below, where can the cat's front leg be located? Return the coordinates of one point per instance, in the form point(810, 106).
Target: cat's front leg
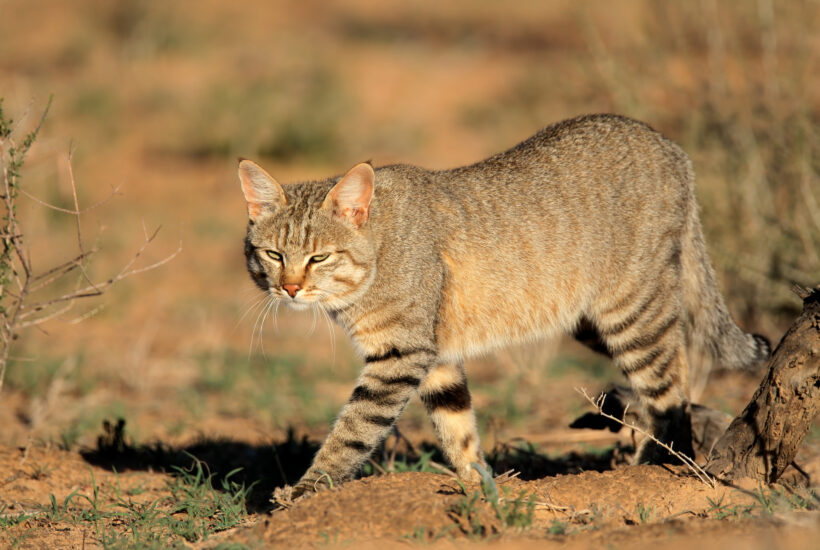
point(445, 395)
point(387, 382)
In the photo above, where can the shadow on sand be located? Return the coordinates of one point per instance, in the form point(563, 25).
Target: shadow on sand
point(283, 462)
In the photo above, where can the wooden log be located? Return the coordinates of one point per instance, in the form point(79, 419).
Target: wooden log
point(764, 439)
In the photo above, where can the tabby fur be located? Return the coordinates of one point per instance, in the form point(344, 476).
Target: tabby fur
point(591, 222)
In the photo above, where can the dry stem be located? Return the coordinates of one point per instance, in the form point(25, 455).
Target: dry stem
point(691, 464)
point(19, 311)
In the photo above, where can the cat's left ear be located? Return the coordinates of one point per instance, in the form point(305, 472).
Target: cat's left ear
point(350, 198)
point(262, 192)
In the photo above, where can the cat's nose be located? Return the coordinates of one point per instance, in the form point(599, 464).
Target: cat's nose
point(292, 290)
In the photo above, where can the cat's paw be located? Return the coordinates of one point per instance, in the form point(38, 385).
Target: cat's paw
point(285, 497)
point(282, 497)
point(650, 452)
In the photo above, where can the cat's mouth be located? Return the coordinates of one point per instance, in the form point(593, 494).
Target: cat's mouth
point(300, 302)
point(297, 305)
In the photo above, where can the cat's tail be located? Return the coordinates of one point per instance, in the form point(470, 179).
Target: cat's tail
point(713, 336)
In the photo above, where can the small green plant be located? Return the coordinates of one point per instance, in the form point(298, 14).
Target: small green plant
point(329, 539)
point(60, 511)
point(767, 500)
point(558, 527)
point(724, 511)
point(205, 509)
point(506, 513)
point(11, 520)
point(643, 512)
point(781, 499)
point(12, 540)
point(422, 535)
point(193, 511)
point(803, 500)
point(40, 471)
point(422, 464)
point(597, 517)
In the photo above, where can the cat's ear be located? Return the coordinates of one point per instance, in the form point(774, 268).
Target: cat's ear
point(261, 191)
point(350, 198)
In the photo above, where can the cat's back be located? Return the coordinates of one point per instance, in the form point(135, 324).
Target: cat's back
point(545, 225)
point(587, 151)
point(598, 157)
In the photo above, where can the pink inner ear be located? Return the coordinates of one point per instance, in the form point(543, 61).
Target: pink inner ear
point(254, 209)
point(260, 189)
point(356, 216)
point(351, 197)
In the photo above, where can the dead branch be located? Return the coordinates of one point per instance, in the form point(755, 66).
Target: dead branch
point(96, 289)
point(115, 191)
point(23, 308)
point(691, 464)
point(707, 424)
point(764, 439)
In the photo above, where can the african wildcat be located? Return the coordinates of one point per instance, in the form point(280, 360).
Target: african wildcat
point(592, 220)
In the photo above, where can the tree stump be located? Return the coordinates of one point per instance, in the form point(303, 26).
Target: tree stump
point(764, 439)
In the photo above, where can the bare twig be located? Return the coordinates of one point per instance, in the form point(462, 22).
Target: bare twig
point(115, 191)
point(96, 289)
point(691, 464)
point(25, 307)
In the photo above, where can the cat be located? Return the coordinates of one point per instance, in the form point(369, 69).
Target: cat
point(590, 222)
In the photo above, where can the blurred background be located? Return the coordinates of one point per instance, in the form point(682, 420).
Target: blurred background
point(162, 97)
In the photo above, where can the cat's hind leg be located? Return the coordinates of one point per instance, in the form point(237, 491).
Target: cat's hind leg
point(445, 394)
point(644, 331)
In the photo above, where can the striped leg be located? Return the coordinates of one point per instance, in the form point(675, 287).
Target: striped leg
point(445, 394)
point(646, 337)
point(385, 385)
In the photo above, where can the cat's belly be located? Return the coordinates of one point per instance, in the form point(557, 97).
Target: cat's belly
point(483, 309)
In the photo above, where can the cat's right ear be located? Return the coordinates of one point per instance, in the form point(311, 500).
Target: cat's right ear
point(262, 192)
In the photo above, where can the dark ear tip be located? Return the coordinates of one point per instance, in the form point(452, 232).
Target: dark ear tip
point(240, 159)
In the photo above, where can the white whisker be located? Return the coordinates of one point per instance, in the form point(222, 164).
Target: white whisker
point(329, 324)
point(251, 307)
point(262, 325)
point(312, 326)
point(255, 323)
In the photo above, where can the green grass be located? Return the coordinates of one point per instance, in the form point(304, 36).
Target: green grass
point(423, 535)
point(279, 119)
point(11, 519)
point(644, 513)
point(193, 510)
point(277, 389)
point(505, 513)
point(558, 527)
point(772, 500)
point(769, 501)
point(724, 511)
point(405, 463)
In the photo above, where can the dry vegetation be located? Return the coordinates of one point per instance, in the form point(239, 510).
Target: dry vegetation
point(157, 100)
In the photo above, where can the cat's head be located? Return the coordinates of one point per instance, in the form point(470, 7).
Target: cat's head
point(310, 242)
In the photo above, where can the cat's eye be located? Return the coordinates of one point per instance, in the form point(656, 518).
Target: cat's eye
point(273, 255)
point(319, 258)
